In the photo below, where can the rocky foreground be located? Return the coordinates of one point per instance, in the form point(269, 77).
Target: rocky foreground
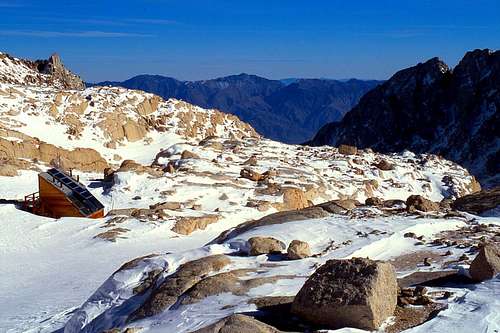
point(211, 228)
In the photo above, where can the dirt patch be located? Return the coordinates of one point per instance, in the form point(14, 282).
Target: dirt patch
point(407, 317)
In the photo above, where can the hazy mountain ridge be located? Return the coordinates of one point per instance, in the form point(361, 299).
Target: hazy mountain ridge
point(431, 108)
point(289, 111)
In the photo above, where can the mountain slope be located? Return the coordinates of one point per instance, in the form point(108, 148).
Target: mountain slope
point(289, 112)
point(430, 108)
point(187, 190)
point(50, 72)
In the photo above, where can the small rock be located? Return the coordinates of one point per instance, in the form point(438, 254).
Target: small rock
point(108, 174)
point(252, 161)
point(264, 245)
point(486, 265)
point(298, 250)
point(463, 257)
point(420, 291)
point(170, 168)
point(374, 201)
point(417, 202)
point(384, 165)
point(238, 323)
point(186, 154)
point(447, 294)
point(166, 205)
point(427, 262)
point(250, 174)
point(348, 150)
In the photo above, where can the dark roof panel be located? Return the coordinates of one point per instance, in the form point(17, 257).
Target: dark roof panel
point(76, 192)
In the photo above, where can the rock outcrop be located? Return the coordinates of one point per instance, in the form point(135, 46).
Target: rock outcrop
point(431, 108)
point(55, 68)
point(50, 72)
point(486, 265)
point(188, 224)
point(84, 159)
point(238, 323)
point(176, 284)
point(356, 292)
point(479, 202)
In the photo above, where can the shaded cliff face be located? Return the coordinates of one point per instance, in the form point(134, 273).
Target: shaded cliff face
point(430, 108)
point(289, 113)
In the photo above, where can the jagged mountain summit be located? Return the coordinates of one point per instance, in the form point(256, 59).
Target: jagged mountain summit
point(290, 112)
point(432, 108)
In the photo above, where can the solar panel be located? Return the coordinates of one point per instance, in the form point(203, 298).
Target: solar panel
point(78, 194)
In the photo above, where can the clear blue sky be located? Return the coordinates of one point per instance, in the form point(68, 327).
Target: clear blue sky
point(188, 39)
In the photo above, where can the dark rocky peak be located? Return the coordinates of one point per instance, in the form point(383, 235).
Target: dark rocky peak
point(476, 66)
point(421, 75)
point(429, 108)
point(59, 73)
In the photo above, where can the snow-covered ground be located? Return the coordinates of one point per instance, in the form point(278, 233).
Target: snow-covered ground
point(387, 243)
point(57, 274)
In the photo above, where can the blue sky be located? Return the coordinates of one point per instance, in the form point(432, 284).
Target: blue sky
point(114, 40)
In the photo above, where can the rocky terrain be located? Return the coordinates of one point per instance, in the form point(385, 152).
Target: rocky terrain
point(50, 72)
point(433, 109)
point(211, 228)
point(288, 112)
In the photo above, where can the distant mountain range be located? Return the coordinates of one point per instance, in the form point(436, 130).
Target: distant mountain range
point(431, 108)
point(289, 110)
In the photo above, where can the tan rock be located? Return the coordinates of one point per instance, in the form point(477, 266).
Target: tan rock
point(252, 161)
point(417, 202)
point(298, 250)
point(238, 323)
point(348, 150)
point(149, 105)
point(170, 205)
point(486, 265)
point(264, 245)
point(356, 292)
point(186, 154)
point(133, 131)
point(83, 159)
point(293, 198)
point(187, 225)
point(250, 174)
point(384, 165)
